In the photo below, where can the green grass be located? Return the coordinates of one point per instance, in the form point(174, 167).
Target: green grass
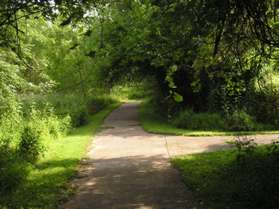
point(220, 181)
point(153, 123)
point(46, 183)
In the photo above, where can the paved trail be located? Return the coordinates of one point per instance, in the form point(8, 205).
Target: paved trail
point(128, 168)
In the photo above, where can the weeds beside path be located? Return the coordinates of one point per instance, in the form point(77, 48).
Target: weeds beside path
point(46, 182)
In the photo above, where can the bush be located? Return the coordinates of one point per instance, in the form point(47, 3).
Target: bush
point(22, 139)
point(47, 123)
point(183, 119)
point(65, 125)
point(80, 118)
point(140, 91)
point(71, 105)
point(40, 126)
point(13, 169)
point(57, 126)
point(198, 121)
point(96, 104)
point(134, 90)
point(78, 109)
point(12, 173)
point(245, 147)
point(265, 106)
point(240, 121)
point(30, 146)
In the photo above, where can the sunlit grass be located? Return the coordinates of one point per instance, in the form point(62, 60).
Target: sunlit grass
point(46, 183)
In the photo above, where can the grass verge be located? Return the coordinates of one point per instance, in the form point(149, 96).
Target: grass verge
point(153, 123)
point(46, 183)
point(220, 181)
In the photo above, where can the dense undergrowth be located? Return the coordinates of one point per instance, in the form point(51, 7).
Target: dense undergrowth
point(259, 114)
point(157, 122)
point(43, 184)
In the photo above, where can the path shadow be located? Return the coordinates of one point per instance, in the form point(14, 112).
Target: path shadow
point(129, 183)
point(126, 132)
point(218, 147)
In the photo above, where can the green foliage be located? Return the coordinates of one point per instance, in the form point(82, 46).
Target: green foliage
point(23, 139)
point(13, 170)
point(246, 148)
point(97, 103)
point(240, 121)
point(77, 109)
point(154, 121)
point(45, 186)
point(47, 124)
point(137, 90)
point(30, 146)
point(253, 185)
point(187, 119)
point(200, 55)
point(265, 106)
point(274, 148)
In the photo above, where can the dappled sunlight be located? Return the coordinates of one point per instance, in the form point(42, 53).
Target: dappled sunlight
point(45, 181)
point(128, 168)
point(128, 182)
point(181, 145)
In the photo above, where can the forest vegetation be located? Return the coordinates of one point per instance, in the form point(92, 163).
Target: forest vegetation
point(199, 65)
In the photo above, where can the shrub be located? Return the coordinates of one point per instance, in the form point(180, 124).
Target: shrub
point(65, 125)
point(47, 123)
point(273, 149)
point(30, 146)
point(245, 147)
point(198, 121)
point(265, 106)
point(13, 170)
point(12, 173)
point(239, 121)
point(80, 118)
point(136, 94)
point(95, 104)
point(79, 109)
point(58, 126)
point(11, 124)
point(140, 91)
point(22, 138)
point(70, 106)
point(183, 119)
point(134, 90)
